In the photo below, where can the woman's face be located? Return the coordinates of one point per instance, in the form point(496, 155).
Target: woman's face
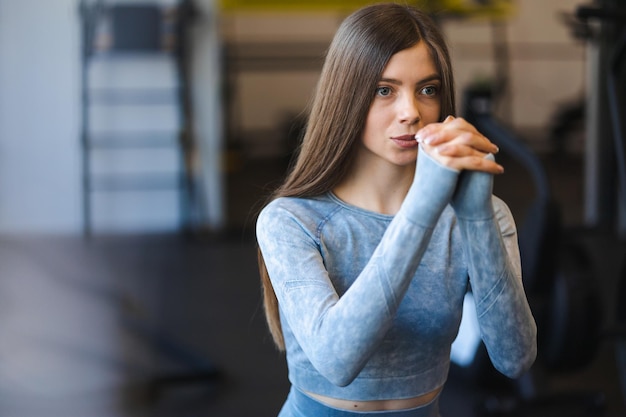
point(407, 99)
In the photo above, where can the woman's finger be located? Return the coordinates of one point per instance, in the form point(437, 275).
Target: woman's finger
point(461, 157)
point(458, 131)
point(476, 163)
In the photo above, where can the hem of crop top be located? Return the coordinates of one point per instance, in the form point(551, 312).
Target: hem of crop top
point(367, 388)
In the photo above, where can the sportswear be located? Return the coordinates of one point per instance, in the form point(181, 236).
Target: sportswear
point(370, 303)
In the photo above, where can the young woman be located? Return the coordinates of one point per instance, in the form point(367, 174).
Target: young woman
point(385, 222)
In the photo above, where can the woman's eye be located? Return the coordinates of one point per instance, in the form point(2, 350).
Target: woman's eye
point(431, 90)
point(383, 91)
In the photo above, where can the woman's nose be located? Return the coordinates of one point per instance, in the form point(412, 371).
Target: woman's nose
point(408, 111)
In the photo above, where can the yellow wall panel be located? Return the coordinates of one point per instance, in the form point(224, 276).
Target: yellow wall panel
point(474, 8)
point(292, 5)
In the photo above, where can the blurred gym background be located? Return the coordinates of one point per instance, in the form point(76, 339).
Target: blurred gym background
point(139, 138)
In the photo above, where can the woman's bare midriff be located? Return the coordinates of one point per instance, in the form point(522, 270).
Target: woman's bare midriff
point(377, 405)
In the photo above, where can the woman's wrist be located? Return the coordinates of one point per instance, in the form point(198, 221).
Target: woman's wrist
point(473, 194)
point(432, 189)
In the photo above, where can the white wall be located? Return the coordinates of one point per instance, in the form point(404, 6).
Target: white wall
point(39, 116)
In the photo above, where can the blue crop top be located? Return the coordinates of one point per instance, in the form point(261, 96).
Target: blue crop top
point(370, 303)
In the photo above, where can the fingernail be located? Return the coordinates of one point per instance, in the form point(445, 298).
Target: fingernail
point(450, 117)
point(418, 138)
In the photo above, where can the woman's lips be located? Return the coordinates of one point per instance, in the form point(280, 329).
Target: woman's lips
point(405, 141)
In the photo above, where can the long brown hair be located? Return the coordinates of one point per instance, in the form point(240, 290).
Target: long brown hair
point(355, 60)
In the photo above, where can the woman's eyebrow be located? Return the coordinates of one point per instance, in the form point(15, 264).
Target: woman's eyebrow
point(433, 77)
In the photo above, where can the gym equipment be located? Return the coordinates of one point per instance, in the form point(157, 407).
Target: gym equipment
point(606, 114)
point(558, 273)
point(118, 33)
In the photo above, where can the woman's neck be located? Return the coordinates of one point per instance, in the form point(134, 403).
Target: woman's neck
point(377, 187)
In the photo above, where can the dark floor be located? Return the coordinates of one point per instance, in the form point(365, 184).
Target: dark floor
point(111, 327)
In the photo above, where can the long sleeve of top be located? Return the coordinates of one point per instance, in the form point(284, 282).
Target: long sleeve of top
point(495, 276)
point(370, 303)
